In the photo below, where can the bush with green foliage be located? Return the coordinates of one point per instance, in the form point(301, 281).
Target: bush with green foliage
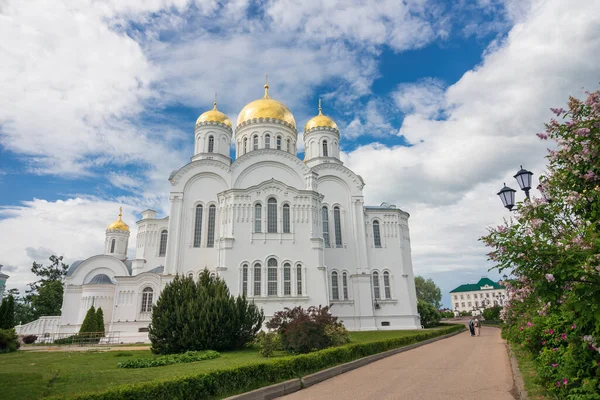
point(429, 315)
point(268, 343)
point(225, 382)
point(100, 321)
point(303, 331)
point(9, 341)
point(29, 339)
point(492, 313)
point(7, 312)
point(89, 323)
point(159, 361)
point(446, 314)
point(337, 334)
point(202, 315)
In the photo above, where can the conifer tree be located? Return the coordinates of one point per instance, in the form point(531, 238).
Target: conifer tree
point(3, 308)
point(7, 312)
point(89, 324)
point(100, 321)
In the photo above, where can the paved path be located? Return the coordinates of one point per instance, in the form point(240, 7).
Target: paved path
point(461, 367)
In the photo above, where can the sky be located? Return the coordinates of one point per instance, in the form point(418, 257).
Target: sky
point(438, 103)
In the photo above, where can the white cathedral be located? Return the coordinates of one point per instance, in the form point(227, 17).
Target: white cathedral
point(282, 231)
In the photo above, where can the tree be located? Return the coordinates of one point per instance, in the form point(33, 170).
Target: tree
point(428, 291)
point(100, 321)
point(46, 294)
point(492, 313)
point(202, 316)
point(430, 316)
point(7, 312)
point(90, 322)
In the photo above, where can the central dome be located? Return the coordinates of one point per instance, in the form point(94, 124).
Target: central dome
point(266, 108)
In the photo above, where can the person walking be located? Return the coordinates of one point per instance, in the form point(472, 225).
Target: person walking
point(471, 327)
point(478, 326)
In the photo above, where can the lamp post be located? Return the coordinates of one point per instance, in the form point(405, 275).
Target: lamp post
point(507, 194)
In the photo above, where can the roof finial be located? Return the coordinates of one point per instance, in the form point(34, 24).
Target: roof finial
point(120, 212)
point(267, 86)
point(320, 109)
point(215, 102)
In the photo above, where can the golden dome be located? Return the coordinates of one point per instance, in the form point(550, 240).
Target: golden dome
point(266, 108)
point(214, 115)
point(119, 225)
point(320, 120)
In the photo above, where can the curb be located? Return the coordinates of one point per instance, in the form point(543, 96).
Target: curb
point(519, 384)
point(294, 385)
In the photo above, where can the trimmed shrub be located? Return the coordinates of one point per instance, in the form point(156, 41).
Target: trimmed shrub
point(492, 313)
point(429, 315)
point(194, 316)
point(100, 321)
point(188, 357)
point(9, 341)
point(303, 331)
point(268, 343)
point(224, 382)
point(337, 334)
point(29, 339)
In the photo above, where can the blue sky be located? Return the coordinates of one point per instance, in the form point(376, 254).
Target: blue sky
point(438, 104)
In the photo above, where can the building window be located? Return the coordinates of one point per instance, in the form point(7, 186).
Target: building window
point(345, 285)
point(198, 225)
point(288, 146)
point(325, 217)
point(257, 218)
point(299, 280)
point(487, 295)
point(376, 291)
point(278, 142)
point(463, 304)
point(212, 211)
point(338, 226)
point(476, 304)
point(376, 234)
point(257, 279)
point(112, 245)
point(455, 305)
point(468, 296)
point(267, 141)
point(335, 292)
point(469, 304)
point(191, 276)
point(245, 145)
point(255, 142)
point(462, 297)
point(245, 280)
point(286, 218)
point(287, 279)
point(162, 249)
point(386, 285)
point(325, 152)
point(272, 215)
point(455, 297)
point(211, 144)
point(147, 295)
point(272, 277)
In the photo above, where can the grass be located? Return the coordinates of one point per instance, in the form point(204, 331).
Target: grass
point(533, 386)
point(32, 375)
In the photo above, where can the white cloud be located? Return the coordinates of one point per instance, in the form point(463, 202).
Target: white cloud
point(425, 98)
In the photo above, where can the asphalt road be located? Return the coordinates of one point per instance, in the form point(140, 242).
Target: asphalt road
point(461, 367)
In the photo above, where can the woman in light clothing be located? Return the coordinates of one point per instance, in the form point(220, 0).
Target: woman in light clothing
point(478, 326)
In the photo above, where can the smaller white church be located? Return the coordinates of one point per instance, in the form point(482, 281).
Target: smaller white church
point(282, 231)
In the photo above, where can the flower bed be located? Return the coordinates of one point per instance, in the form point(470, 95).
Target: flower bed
point(187, 357)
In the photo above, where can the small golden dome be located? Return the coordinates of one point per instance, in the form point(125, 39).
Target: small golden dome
point(214, 115)
point(320, 120)
point(119, 225)
point(266, 108)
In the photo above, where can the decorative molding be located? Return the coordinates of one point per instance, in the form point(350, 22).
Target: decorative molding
point(263, 121)
point(356, 179)
point(270, 153)
point(213, 123)
point(176, 176)
point(327, 129)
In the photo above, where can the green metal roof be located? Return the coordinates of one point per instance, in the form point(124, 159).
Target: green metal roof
point(473, 287)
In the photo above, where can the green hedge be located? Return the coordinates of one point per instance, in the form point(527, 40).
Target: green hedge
point(159, 361)
point(221, 383)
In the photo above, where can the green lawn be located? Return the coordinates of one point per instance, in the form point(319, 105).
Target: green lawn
point(31, 375)
point(533, 386)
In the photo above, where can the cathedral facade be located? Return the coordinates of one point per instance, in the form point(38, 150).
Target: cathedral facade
point(283, 231)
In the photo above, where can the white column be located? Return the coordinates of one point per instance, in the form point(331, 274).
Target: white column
point(174, 232)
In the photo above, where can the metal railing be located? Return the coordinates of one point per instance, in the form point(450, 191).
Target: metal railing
point(79, 339)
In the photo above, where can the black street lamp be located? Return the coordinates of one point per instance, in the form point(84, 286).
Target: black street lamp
point(507, 194)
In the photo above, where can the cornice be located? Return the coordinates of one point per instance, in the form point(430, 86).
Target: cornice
point(356, 179)
point(175, 177)
point(254, 121)
point(212, 124)
point(327, 129)
point(245, 158)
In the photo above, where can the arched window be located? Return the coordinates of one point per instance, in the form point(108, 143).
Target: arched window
point(112, 245)
point(162, 249)
point(257, 279)
point(213, 276)
point(325, 150)
point(335, 291)
point(212, 211)
point(338, 226)
point(386, 285)
point(267, 141)
point(272, 277)
point(255, 142)
point(287, 279)
point(325, 217)
point(245, 280)
point(198, 225)
point(272, 215)
point(376, 234)
point(245, 145)
point(147, 295)
point(345, 285)
point(191, 276)
point(286, 218)
point(211, 144)
point(288, 146)
point(376, 291)
point(299, 280)
point(257, 218)
point(278, 142)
